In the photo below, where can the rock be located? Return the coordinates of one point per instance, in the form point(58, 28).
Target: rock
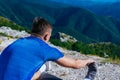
point(13, 33)
point(7, 42)
point(106, 71)
point(64, 37)
point(1, 49)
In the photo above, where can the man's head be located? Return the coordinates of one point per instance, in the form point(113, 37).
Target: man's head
point(41, 28)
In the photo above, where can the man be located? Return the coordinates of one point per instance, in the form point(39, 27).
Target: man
point(22, 59)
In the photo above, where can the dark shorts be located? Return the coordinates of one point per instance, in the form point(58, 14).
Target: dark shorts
point(46, 76)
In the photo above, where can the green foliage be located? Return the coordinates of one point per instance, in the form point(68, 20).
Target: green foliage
point(8, 23)
point(78, 46)
point(56, 42)
point(67, 45)
point(104, 49)
point(3, 34)
point(116, 61)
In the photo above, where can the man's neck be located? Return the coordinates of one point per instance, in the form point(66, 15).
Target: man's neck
point(37, 35)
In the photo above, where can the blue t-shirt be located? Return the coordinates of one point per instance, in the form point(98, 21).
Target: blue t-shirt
point(21, 59)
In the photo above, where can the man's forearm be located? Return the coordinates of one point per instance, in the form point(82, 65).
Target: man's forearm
point(80, 64)
point(72, 63)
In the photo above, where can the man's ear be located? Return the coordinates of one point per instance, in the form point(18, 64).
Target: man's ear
point(46, 37)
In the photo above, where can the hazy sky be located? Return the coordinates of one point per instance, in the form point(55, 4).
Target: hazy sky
point(88, 0)
point(104, 0)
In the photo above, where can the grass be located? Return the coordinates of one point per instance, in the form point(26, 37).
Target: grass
point(5, 35)
point(113, 61)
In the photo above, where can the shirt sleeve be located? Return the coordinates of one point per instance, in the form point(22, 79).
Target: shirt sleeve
point(54, 54)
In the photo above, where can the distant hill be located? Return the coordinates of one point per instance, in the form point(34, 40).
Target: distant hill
point(106, 9)
point(77, 22)
point(99, 7)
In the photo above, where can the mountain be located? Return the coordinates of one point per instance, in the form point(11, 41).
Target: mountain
point(106, 9)
point(75, 21)
point(99, 7)
point(79, 3)
point(26, 10)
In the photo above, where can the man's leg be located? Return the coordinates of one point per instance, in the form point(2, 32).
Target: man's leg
point(38, 73)
point(46, 76)
point(92, 70)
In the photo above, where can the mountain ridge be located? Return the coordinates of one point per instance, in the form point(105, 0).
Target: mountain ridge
point(77, 22)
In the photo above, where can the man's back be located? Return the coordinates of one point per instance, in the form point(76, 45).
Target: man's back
point(23, 58)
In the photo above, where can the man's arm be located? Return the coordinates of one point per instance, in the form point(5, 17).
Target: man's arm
point(73, 63)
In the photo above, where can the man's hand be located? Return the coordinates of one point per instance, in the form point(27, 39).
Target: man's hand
point(89, 61)
point(83, 63)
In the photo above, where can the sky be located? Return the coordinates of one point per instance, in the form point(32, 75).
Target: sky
point(89, 0)
point(104, 0)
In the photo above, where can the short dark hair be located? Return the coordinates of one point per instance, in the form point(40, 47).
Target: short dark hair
point(40, 26)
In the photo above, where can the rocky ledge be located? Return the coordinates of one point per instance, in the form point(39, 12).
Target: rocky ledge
point(106, 71)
